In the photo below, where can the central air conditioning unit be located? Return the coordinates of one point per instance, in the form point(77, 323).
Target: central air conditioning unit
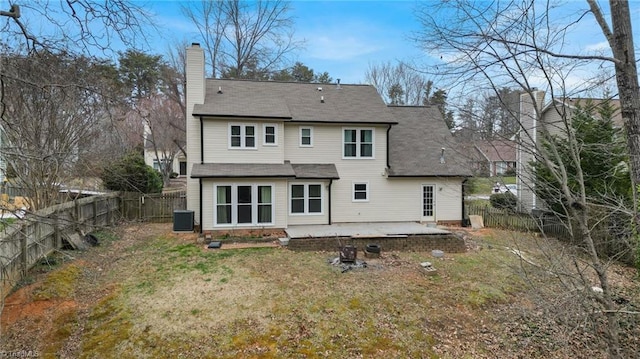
point(182, 221)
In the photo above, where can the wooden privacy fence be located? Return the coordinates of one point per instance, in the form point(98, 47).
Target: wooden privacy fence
point(524, 222)
point(157, 207)
point(24, 243)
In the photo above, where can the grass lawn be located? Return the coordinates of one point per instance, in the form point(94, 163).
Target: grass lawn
point(148, 293)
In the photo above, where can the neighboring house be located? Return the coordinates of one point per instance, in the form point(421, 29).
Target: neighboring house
point(179, 164)
point(534, 113)
point(497, 157)
point(156, 159)
point(277, 154)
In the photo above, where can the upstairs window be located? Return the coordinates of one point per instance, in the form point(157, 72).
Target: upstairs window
point(357, 143)
point(242, 136)
point(270, 135)
point(306, 136)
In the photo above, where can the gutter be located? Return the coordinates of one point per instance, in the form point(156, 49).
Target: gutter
point(388, 130)
point(200, 202)
point(463, 221)
point(329, 200)
point(200, 179)
point(201, 141)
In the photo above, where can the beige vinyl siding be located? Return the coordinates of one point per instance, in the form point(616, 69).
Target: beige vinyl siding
point(526, 148)
point(150, 156)
point(279, 201)
point(323, 218)
point(195, 89)
point(397, 199)
point(555, 122)
point(327, 144)
point(216, 143)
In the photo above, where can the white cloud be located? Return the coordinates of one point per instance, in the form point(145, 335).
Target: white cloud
point(600, 46)
point(340, 47)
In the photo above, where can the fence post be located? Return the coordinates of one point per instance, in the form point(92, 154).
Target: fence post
point(95, 213)
point(56, 231)
point(23, 251)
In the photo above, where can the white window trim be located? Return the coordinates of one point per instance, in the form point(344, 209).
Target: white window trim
point(353, 191)
point(234, 205)
point(306, 199)
point(243, 136)
point(358, 143)
point(264, 134)
point(434, 187)
point(310, 128)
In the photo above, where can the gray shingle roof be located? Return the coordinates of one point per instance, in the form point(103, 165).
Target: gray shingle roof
point(293, 101)
point(416, 144)
point(236, 170)
point(316, 171)
point(269, 170)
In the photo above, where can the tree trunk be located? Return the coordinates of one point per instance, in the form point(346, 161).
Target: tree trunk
point(628, 88)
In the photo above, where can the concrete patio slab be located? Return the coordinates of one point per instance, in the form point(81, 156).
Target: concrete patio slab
point(377, 229)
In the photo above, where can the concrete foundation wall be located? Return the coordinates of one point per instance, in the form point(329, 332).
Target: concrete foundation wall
point(448, 243)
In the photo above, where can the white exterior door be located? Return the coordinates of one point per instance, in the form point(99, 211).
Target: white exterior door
point(428, 203)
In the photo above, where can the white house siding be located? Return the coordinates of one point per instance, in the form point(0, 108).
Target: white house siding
point(216, 143)
point(390, 199)
point(323, 218)
point(555, 121)
point(150, 157)
point(528, 137)
point(280, 195)
point(399, 199)
point(195, 95)
point(326, 144)
point(327, 148)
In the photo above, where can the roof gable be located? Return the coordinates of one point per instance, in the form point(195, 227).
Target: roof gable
point(416, 143)
point(498, 150)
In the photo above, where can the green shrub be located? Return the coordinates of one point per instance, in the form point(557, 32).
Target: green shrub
point(505, 200)
point(131, 174)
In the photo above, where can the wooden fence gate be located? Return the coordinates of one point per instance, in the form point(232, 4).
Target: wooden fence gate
point(152, 207)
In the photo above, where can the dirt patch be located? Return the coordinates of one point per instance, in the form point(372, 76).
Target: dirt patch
point(155, 293)
point(20, 305)
point(38, 310)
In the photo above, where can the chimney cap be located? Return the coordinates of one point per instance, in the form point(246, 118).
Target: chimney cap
point(195, 44)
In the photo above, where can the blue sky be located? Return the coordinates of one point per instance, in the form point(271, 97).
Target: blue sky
point(345, 37)
point(342, 37)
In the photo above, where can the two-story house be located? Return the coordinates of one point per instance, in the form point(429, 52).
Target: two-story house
point(539, 119)
point(278, 154)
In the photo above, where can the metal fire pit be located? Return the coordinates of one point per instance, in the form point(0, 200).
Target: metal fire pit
point(348, 254)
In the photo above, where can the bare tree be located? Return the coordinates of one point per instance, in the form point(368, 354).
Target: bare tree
point(211, 21)
point(488, 46)
point(51, 121)
point(244, 39)
point(388, 79)
point(74, 26)
point(164, 131)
